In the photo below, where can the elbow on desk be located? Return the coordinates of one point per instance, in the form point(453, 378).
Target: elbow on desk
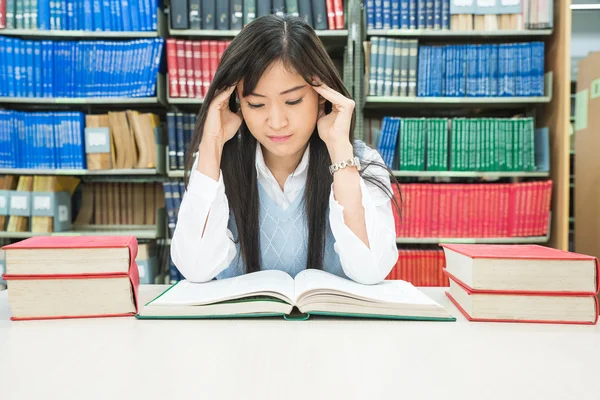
point(191, 269)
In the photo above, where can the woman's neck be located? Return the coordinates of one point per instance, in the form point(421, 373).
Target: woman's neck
point(282, 167)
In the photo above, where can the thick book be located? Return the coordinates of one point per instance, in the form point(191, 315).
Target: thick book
point(480, 305)
point(526, 268)
point(72, 277)
point(273, 293)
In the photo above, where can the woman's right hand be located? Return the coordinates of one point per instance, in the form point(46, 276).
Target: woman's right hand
point(221, 123)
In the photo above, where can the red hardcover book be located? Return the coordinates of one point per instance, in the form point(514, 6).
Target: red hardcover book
point(2, 14)
point(181, 68)
point(197, 56)
point(189, 69)
point(205, 55)
point(524, 307)
point(172, 68)
point(330, 14)
point(213, 58)
point(222, 46)
point(338, 7)
point(45, 243)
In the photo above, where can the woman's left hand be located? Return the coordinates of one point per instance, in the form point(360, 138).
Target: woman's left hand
point(334, 127)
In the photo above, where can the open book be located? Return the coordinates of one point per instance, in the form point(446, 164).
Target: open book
point(275, 293)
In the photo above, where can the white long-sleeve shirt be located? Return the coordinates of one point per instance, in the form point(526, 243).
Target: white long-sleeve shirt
point(201, 257)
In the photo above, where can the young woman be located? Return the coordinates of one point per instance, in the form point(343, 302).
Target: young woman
point(278, 181)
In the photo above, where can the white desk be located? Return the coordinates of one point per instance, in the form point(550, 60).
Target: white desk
point(125, 358)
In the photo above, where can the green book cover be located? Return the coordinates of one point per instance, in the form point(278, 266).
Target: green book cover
point(529, 163)
point(509, 145)
point(34, 14)
point(502, 139)
point(10, 14)
point(20, 14)
point(454, 145)
point(249, 11)
point(519, 151)
point(494, 145)
point(486, 144)
point(26, 13)
point(430, 156)
point(421, 145)
point(444, 145)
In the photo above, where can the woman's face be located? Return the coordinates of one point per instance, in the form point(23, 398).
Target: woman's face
point(282, 111)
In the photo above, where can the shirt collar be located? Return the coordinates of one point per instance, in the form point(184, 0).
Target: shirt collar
point(262, 168)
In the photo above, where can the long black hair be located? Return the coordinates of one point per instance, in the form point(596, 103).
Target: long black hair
point(262, 42)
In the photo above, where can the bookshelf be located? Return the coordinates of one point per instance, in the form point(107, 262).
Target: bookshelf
point(551, 110)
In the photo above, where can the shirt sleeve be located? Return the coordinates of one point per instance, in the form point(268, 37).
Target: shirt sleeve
point(360, 263)
point(201, 253)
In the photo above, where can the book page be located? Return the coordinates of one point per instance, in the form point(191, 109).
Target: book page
point(399, 292)
point(271, 282)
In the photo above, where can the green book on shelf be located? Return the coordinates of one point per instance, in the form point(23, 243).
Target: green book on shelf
point(443, 144)
point(421, 132)
point(274, 293)
point(529, 145)
point(510, 139)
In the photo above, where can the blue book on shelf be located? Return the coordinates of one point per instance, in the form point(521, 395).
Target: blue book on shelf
point(404, 14)
point(421, 14)
point(537, 68)
point(446, 14)
point(148, 14)
point(98, 18)
point(370, 4)
point(3, 66)
point(413, 14)
point(542, 149)
point(421, 71)
point(43, 15)
point(126, 14)
point(437, 14)
point(134, 12)
point(494, 70)
point(395, 5)
point(88, 15)
point(153, 15)
point(29, 66)
point(37, 68)
point(378, 14)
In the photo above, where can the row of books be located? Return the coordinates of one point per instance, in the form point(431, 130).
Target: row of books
point(192, 65)
point(80, 15)
point(42, 140)
point(122, 140)
point(495, 15)
point(180, 128)
point(473, 210)
point(235, 14)
point(28, 207)
point(420, 267)
point(115, 203)
point(507, 69)
point(79, 69)
point(408, 14)
point(72, 140)
point(173, 193)
point(397, 67)
point(459, 144)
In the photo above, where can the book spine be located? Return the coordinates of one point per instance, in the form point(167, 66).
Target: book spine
point(209, 11)
point(237, 15)
point(180, 14)
point(338, 7)
point(330, 14)
point(319, 9)
point(195, 17)
point(189, 69)
point(305, 10)
point(264, 7)
point(222, 15)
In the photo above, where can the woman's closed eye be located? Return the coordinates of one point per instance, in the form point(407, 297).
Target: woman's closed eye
point(289, 103)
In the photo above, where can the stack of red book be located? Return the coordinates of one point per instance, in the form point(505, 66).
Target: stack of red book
point(72, 277)
point(522, 283)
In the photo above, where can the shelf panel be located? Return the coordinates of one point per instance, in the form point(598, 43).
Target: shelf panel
point(175, 174)
point(117, 230)
point(508, 240)
point(212, 33)
point(447, 34)
point(82, 172)
point(482, 102)
point(468, 174)
point(184, 100)
point(37, 33)
point(133, 101)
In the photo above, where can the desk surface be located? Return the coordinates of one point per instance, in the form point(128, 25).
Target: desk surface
point(125, 358)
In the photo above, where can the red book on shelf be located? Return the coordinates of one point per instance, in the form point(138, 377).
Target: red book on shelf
point(330, 15)
point(205, 55)
point(480, 305)
point(172, 68)
point(2, 14)
point(213, 57)
point(197, 56)
point(181, 68)
point(109, 265)
point(338, 7)
point(189, 69)
point(222, 46)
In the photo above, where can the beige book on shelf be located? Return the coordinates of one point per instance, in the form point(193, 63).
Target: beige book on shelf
point(121, 209)
point(130, 205)
point(9, 182)
point(159, 196)
point(86, 212)
point(138, 204)
point(43, 184)
point(112, 203)
point(17, 223)
point(140, 140)
point(150, 208)
point(105, 204)
point(122, 137)
point(367, 50)
point(99, 161)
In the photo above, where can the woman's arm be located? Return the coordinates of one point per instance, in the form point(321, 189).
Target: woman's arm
point(362, 222)
point(202, 245)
